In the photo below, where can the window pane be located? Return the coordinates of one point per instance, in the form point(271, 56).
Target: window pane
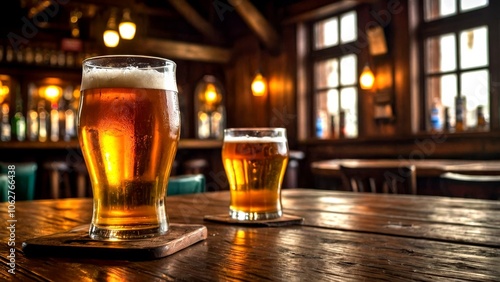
point(443, 88)
point(348, 27)
point(348, 103)
point(327, 73)
point(435, 9)
point(348, 67)
point(475, 87)
point(326, 33)
point(448, 90)
point(332, 101)
point(441, 53)
point(327, 105)
point(474, 47)
point(466, 5)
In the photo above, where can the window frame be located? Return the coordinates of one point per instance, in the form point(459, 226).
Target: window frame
point(338, 51)
point(484, 16)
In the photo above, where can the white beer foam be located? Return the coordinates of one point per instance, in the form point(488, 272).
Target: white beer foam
point(248, 139)
point(128, 78)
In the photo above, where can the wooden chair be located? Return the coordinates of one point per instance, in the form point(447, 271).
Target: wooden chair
point(470, 186)
point(394, 180)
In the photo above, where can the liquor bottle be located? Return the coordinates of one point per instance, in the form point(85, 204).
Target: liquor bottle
point(481, 120)
point(435, 116)
point(43, 122)
point(342, 124)
point(69, 124)
point(459, 114)
point(447, 124)
point(18, 120)
point(5, 129)
point(32, 125)
point(54, 123)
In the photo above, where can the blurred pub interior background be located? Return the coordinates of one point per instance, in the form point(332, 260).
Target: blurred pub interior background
point(348, 79)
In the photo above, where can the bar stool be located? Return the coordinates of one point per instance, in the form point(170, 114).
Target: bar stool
point(58, 171)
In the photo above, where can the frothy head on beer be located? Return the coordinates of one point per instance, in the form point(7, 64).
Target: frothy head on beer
point(118, 76)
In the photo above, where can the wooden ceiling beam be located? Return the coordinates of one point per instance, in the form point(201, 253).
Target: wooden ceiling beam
point(185, 51)
point(197, 21)
point(256, 21)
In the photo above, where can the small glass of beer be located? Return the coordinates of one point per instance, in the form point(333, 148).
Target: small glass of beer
point(255, 161)
point(128, 129)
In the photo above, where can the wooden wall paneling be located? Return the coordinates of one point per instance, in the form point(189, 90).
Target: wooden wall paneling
point(282, 86)
point(243, 109)
point(401, 53)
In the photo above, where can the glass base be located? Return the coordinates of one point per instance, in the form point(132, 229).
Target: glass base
point(117, 233)
point(241, 215)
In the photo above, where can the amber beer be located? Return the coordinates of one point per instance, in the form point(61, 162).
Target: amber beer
point(255, 161)
point(128, 128)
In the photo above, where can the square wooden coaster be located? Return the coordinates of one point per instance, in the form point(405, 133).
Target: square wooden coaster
point(281, 221)
point(77, 243)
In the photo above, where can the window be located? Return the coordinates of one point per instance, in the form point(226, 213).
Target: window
point(335, 76)
point(456, 64)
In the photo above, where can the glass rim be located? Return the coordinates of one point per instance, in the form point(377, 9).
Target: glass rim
point(124, 56)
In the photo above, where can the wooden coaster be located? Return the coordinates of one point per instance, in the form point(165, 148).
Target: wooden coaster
point(77, 243)
point(281, 221)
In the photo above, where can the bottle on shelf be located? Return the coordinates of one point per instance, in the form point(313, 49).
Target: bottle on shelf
point(32, 125)
point(54, 123)
point(43, 122)
point(435, 116)
point(447, 123)
point(69, 124)
point(482, 124)
point(19, 121)
point(5, 128)
point(342, 124)
point(460, 114)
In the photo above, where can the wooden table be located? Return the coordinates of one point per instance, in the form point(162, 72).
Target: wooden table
point(424, 167)
point(344, 237)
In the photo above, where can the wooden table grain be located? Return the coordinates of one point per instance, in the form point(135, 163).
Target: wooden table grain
point(344, 237)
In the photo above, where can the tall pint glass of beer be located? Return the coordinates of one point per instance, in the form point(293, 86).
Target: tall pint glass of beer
point(255, 161)
point(128, 128)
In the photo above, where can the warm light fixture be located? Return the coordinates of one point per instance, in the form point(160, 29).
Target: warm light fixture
point(127, 26)
point(259, 85)
point(211, 94)
point(4, 91)
point(367, 79)
point(110, 36)
point(75, 15)
point(51, 92)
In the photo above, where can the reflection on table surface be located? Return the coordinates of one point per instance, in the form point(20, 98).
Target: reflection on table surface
point(344, 236)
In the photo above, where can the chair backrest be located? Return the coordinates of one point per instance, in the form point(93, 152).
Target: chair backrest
point(186, 184)
point(394, 180)
point(470, 186)
point(25, 176)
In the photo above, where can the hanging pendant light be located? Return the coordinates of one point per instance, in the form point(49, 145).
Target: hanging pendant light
point(259, 84)
point(111, 36)
point(367, 79)
point(127, 27)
